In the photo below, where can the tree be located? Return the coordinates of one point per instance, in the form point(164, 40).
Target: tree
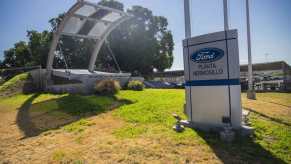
point(141, 43)
point(112, 3)
point(18, 56)
point(165, 58)
point(22, 54)
point(75, 52)
point(39, 45)
point(9, 58)
point(134, 42)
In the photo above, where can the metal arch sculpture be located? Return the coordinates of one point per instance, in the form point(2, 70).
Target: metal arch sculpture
point(90, 21)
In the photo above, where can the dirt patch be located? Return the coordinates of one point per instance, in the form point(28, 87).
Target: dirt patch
point(14, 149)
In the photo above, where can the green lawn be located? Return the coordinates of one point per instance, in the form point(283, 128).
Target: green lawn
point(277, 98)
point(151, 116)
point(275, 106)
point(147, 115)
point(14, 82)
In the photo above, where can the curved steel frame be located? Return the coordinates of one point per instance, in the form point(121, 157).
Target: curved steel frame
point(100, 40)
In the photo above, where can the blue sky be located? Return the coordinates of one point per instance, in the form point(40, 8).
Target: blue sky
point(270, 23)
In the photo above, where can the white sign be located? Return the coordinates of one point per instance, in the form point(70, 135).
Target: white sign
point(211, 64)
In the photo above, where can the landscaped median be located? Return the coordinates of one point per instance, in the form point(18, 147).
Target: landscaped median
point(134, 126)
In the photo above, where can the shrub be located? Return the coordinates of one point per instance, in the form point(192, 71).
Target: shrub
point(107, 87)
point(135, 85)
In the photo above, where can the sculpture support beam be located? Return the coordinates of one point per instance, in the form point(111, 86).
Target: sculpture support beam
point(77, 23)
point(57, 34)
point(101, 41)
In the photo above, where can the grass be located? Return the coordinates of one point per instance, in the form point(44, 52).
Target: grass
point(151, 113)
point(72, 104)
point(147, 117)
point(273, 136)
point(271, 105)
point(13, 103)
point(78, 126)
point(283, 99)
point(150, 116)
point(37, 113)
point(62, 156)
point(59, 155)
point(75, 105)
point(14, 82)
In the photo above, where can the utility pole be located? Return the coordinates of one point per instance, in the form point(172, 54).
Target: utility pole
point(251, 94)
point(187, 18)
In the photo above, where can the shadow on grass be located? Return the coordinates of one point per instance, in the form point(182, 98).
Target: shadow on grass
point(35, 118)
point(277, 120)
point(288, 106)
point(242, 150)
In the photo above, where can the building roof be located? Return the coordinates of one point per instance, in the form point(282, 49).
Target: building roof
point(277, 65)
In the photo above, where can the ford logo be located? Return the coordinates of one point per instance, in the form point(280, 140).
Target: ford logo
point(207, 55)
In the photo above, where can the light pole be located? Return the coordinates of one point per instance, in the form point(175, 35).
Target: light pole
point(251, 94)
point(187, 18)
point(225, 13)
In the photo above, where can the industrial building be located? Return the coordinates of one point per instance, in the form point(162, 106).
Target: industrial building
point(270, 76)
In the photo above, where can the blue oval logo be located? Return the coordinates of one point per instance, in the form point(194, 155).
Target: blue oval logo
point(207, 55)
